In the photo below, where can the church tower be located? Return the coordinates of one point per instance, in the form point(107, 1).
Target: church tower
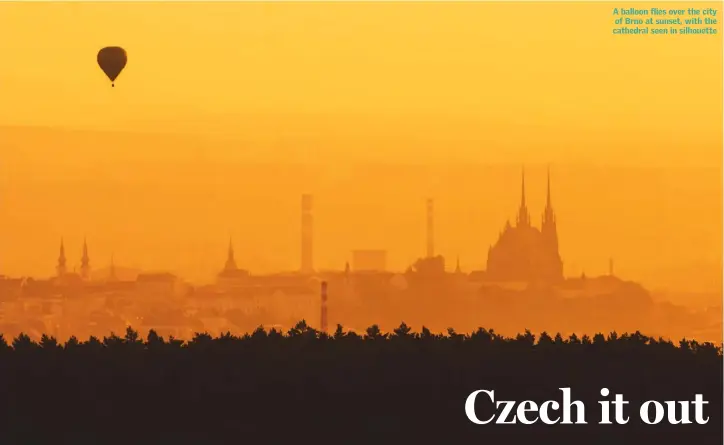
point(85, 262)
point(61, 267)
point(230, 260)
point(230, 275)
point(548, 226)
point(523, 215)
point(549, 232)
point(112, 271)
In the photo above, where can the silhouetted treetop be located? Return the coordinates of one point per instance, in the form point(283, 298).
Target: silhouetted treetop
point(343, 388)
point(373, 334)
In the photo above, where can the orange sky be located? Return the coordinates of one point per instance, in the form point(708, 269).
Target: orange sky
point(631, 125)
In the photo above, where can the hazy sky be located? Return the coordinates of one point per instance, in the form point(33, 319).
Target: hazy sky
point(335, 84)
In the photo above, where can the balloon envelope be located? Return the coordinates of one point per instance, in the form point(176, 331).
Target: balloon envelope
point(112, 60)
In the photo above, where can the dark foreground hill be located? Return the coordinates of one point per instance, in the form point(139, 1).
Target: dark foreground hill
point(303, 387)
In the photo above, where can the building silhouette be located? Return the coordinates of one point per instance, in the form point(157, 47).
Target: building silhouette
point(61, 267)
point(85, 262)
point(230, 260)
point(524, 253)
point(231, 274)
point(112, 277)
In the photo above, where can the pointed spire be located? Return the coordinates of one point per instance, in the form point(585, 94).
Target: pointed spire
point(85, 261)
point(457, 266)
point(61, 267)
point(230, 260)
point(522, 193)
point(548, 193)
point(61, 257)
point(112, 272)
point(523, 215)
point(549, 217)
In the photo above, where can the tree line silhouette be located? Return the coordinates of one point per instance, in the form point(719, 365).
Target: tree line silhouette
point(304, 385)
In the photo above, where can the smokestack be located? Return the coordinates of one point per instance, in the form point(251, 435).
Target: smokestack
point(307, 234)
point(323, 318)
point(430, 230)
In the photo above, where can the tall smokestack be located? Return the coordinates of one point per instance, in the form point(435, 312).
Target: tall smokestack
point(323, 318)
point(430, 230)
point(307, 234)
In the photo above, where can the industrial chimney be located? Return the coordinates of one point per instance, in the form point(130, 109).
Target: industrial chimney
point(307, 234)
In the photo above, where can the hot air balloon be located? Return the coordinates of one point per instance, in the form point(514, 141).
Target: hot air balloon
point(112, 60)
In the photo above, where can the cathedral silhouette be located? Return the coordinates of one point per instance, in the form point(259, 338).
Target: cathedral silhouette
point(525, 253)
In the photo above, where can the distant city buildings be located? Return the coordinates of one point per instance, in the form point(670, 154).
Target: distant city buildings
point(522, 252)
point(71, 303)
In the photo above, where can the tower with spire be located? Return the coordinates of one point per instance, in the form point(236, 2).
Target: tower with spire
point(548, 226)
point(85, 262)
point(523, 214)
point(61, 267)
point(231, 275)
point(230, 260)
point(112, 270)
point(549, 232)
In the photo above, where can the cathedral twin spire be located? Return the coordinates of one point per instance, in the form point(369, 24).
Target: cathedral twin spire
point(523, 214)
point(62, 268)
point(523, 218)
point(549, 218)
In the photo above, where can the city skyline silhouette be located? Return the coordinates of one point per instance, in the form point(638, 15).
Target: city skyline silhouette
point(306, 261)
point(349, 217)
point(369, 113)
point(472, 254)
point(523, 263)
point(225, 114)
